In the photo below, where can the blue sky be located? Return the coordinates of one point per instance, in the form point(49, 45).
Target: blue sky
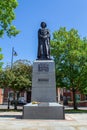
point(29, 15)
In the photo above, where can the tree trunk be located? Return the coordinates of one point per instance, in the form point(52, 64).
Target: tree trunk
point(8, 103)
point(74, 99)
point(15, 105)
point(15, 101)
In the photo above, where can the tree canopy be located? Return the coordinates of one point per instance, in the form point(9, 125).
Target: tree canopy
point(19, 78)
point(7, 15)
point(1, 57)
point(69, 51)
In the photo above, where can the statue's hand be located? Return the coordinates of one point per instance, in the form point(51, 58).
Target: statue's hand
point(43, 36)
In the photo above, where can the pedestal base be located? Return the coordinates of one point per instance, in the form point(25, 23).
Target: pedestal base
point(43, 110)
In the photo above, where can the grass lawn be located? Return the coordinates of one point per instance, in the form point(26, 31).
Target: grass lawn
point(75, 111)
point(9, 110)
point(66, 111)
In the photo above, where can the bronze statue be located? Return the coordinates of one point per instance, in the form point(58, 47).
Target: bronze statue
point(43, 42)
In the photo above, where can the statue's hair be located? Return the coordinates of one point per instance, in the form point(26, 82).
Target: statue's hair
point(43, 23)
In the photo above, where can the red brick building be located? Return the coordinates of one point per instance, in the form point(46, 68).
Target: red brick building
point(66, 97)
point(9, 93)
point(1, 96)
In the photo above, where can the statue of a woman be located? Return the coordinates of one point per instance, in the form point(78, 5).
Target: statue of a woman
point(43, 42)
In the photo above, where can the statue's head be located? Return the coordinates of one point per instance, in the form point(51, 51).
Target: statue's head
point(43, 25)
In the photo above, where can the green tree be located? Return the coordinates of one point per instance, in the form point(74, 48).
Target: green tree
point(22, 70)
point(19, 78)
point(1, 57)
point(70, 54)
point(7, 15)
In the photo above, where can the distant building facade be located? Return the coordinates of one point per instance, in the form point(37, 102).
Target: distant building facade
point(64, 96)
point(8, 93)
point(1, 95)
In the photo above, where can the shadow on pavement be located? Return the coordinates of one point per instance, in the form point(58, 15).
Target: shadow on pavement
point(11, 116)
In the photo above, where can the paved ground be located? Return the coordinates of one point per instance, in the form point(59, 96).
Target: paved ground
point(10, 106)
point(14, 121)
point(21, 107)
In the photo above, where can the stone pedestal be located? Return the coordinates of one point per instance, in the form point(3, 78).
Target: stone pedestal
point(43, 111)
point(43, 93)
point(43, 81)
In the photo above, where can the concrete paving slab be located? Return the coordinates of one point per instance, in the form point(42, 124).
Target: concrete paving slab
point(13, 121)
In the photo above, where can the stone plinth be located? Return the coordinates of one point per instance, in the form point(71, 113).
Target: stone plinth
point(43, 81)
point(43, 93)
point(43, 111)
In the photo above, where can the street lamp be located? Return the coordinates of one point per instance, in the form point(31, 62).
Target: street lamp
point(14, 53)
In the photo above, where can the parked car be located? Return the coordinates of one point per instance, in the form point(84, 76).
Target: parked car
point(22, 101)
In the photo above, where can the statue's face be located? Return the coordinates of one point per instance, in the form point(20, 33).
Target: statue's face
point(43, 24)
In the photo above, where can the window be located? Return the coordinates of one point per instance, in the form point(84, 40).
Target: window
point(11, 95)
point(64, 90)
point(85, 97)
point(68, 91)
point(68, 98)
point(78, 97)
